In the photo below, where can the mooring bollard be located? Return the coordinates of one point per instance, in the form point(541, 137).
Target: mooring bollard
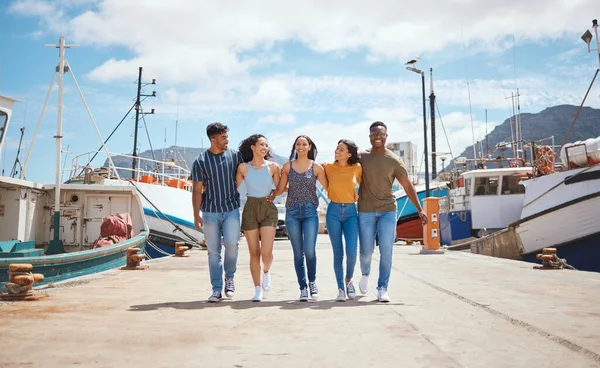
point(134, 259)
point(180, 249)
point(20, 283)
point(550, 260)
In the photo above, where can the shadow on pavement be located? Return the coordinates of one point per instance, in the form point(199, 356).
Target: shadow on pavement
point(266, 303)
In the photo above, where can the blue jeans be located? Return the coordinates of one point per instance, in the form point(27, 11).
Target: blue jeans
point(382, 224)
point(342, 220)
point(224, 225)
point(302, 225)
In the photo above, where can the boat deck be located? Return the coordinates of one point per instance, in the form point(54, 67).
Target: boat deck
point(450, 310)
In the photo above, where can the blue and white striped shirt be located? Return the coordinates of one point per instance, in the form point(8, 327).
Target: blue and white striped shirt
point(217, 173)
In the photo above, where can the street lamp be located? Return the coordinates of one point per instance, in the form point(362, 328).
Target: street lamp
point(418, 71)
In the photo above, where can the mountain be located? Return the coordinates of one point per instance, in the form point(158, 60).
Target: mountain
point(553, 121)
point(187, 154)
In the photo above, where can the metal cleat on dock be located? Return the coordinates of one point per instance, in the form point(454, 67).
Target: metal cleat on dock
point(20, 283)
point(550, 260)
point(180, 249)
point(134, 259)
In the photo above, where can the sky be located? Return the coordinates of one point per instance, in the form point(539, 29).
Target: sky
point(284, 68)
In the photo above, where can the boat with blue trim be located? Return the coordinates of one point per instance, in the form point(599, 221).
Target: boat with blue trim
point(64, 230)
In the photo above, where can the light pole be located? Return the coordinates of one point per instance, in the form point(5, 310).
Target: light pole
point(418, 71)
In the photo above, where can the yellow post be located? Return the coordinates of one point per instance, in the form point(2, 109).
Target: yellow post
point(431, 231)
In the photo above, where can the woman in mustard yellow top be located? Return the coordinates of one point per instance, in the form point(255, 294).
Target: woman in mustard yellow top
point(344, 176)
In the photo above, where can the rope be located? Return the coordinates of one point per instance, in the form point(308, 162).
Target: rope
point(13, 288)
point(156, 248)
point(177, 228)
point(576, 115)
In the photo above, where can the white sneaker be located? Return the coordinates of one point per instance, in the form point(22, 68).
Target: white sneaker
point(341, 295)
point(382, 295)
point(304, 295)
point(266, 281)
point(350, 290)
point(314, 292)
point(258, 294)
point(363, 285)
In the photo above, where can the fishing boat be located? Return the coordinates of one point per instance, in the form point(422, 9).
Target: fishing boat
point(164, 185)
point(560, 210)
point(166, 194)
point(60, 229)
point(408, 224)
point(481, 202)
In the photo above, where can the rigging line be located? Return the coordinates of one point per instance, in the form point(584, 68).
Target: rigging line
point(445, 134)
point(22, 175)
point(576, 115)
point(110, 160)
point(106, 141)
point(469, 94)
point(177, 227)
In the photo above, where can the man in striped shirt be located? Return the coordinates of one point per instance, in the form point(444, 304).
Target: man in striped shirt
point(215, 194)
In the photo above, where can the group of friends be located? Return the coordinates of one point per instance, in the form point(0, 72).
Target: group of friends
point(353, 217)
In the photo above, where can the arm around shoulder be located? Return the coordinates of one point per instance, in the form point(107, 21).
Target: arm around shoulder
point(320, 174)
point(283, 180)
point(240, 174)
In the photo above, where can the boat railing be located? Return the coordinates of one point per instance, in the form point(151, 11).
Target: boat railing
point(166, 172)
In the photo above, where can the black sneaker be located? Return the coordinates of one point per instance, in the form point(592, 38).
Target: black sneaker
point(215, 297)
point(229, 288)
point(314, 292)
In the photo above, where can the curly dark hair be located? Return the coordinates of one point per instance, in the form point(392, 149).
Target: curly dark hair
point(246, 149)
point(216, 129)
point(312, 153)
point(353, 149)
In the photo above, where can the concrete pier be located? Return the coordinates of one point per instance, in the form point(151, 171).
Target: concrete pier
point(450, 310)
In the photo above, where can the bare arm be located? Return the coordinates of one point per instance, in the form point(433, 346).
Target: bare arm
point(411, 193)
point(240, 174)
point(283, 180)
point(321, 177)
point(275, 173)
point(197, 189)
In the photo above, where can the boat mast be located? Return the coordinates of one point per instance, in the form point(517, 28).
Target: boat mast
point(138, 107)
point(56, 245)
point(137, 118)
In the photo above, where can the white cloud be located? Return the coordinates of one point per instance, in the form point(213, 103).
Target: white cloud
point(199, 38)
point(33, 8)
point(272, 94)
point(281, 119)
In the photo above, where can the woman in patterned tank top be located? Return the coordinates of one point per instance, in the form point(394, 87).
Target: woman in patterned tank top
point(300, 174)
point(260, 215)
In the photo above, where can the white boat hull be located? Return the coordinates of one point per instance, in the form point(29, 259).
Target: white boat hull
point(559, 226)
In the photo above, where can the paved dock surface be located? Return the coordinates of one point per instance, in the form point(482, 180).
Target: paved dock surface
point(451, 310)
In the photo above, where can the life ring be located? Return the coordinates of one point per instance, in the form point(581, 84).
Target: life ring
point(544, 156)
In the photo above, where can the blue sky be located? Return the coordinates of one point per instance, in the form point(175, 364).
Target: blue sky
point(284, 68)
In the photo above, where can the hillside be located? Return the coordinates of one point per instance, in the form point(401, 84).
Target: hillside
point(553, 121)
point(188, 154)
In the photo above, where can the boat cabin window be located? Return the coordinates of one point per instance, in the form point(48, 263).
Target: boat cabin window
point(468, 186)
point(510, 185)
point(486, 186)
